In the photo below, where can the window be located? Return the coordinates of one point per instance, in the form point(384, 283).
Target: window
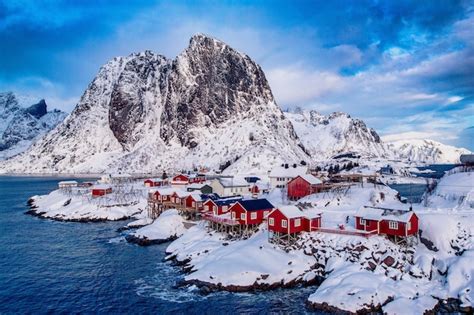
point(224, 208)
point(232, 215)
point(284, 223)
point(194, 204)
point(207, 207)
point(409, 225)
point(271, 221)
point(253, 215)
point(393, 225)
point(297, 222)
point(242, 216)
point(363, 222)
point(215, 209)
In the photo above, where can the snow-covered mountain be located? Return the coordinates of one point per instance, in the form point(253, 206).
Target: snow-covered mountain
point(210, 105)
point(327, 136)
point(426, 151)
point(23, 120)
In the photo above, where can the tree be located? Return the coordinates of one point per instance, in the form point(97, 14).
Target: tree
point(303, 163)
point(251, 136)
point(164, 175)
point(286, 165)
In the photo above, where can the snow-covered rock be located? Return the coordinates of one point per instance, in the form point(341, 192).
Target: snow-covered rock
point(426, 151)
point(58, 205)
point(23, 121)
point(208, 106)
point(454, 190)
point(168, 226)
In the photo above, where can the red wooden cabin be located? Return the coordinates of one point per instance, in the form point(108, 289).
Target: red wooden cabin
point(154, 182)
point(303, 185)
point(194, 201)
point(220, 206)
point(197, 179)
point(390, 222)
point(101, 190)
point(161, 194)
point(291, 220)
point(251, 212)
point(180, 179)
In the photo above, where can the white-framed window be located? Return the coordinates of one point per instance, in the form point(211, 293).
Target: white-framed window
point(297, 222)
point(242, 216)
point(253, 215)
point(409, 225)
point(363, 222)
point(232, 215)
point(207, 207)
point(194, 204)
point(215, 209)
point(284, 223)
point(265, 213)
point(393, 225)
point(271, 221)
point(224, 208)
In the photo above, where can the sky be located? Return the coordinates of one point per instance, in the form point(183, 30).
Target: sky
point(405, 67)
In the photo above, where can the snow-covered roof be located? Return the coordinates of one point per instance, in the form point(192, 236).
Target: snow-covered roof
point(378, 214)
point(102, 186)
point(288, 172)
point(196, 197)
point(311, 179)
point(163, 191)
point(67, 182)
point(155, 179)
point(233, 182)
point(182, 193)
point(291, 211)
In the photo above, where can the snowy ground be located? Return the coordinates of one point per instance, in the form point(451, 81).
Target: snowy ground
point(63, 206)
point(169, 225)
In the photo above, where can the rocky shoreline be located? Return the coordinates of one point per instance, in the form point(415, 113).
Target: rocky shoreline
point(144, 241)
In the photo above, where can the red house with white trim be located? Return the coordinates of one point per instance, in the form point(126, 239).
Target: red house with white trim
point(220, 206)
point(291, 220)
point(154, 182)
point(303, 185)
point(180, 180)
point(194, 201)
point(250, 212)
point(161, 194)
point(101, 190)
point(392, 222)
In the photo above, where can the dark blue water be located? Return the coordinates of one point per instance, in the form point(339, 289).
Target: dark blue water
point(412, 192)
point(438, 170)
point(60, 267)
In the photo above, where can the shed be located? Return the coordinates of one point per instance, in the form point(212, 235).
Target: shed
point(392, 222)
point(303, 185)
point(101, 190)
point(291, 220)
point(67, 184)
point(154, 182)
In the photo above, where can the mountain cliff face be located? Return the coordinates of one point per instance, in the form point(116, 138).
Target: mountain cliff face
point(426, 151)
point(144, 112)
point(20, 125)
point(327, 136)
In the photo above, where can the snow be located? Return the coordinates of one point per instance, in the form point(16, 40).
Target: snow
point(311, 179)
point(291, 211)
point(454, 190)
point(291, 171)
point(63, 206)
point(371, 213)
point(168, 225)
point(426, 151)
point(461, 279)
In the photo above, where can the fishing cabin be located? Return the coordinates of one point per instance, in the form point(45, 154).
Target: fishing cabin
point(220, 206)
point(251, 211)
point(286, 222)
point(101, 190)
point(154, 182)
point(303, 185)
point(394, 223)
point(67, 184)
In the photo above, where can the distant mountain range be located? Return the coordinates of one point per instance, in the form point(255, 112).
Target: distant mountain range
point(211, 107)
point(22, 121)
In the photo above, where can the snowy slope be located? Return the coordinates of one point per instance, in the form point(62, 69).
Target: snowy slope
point(327, 136)
point(144, 112)
point(427, 151)
point(23, 120)
point(454, 190)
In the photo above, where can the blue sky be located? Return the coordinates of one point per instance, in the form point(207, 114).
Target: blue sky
point(405, 67)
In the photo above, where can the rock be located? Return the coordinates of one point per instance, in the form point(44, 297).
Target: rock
point(389, 261)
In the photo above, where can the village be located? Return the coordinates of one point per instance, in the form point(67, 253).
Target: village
point(238, 206)
point(293, 225)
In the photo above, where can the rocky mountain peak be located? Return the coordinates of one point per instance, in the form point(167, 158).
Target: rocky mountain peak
point(38, 110)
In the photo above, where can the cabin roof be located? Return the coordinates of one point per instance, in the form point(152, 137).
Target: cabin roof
point(280, 171)
point(101, 186)
point(255, 204)
point(233, 182)
point(67, 182)
point(379, 214)
point(291, 212)
point(311, 179)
